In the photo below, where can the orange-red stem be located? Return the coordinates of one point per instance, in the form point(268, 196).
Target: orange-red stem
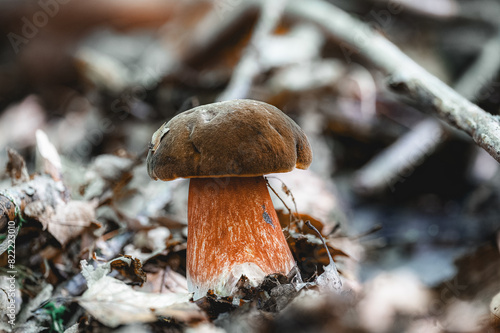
point(233, 230)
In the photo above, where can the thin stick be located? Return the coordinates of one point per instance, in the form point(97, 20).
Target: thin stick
point(289, 193)
point(282, 201)
point(313, 228)
point(400, 159)
point(405, 77)
point(249, 65)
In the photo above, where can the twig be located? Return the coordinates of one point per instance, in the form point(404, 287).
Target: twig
point(320, 236)
point(438, 9)
point(48, 190)
point(482, 72)
point(14, 200)
point(405, 77)
point(41, 188)
point(249, 67)
point(400, 159)
point(290, 212)
point(287, 191)
point(330, 279)
point(467, 11)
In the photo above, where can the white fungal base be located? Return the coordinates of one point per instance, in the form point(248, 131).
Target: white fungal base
point(225, 284)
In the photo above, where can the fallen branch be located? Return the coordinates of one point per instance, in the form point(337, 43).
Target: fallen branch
point(401, 158)
point(42, 188)
point(481, 73)
point(249, 66)
point(405, 77)
point(43, 198)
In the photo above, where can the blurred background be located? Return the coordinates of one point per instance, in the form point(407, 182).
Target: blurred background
point(413, 203)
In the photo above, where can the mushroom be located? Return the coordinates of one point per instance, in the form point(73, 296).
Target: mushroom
point(226, 148)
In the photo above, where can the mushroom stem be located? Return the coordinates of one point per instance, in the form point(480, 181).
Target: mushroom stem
point(233, 230)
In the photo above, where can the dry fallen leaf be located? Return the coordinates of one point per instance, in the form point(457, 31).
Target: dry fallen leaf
point(391, 294)
point(166, 281)
point(205, 328)
point(454, 319)
point(495, 310)
point(329, 280)
point(66, 221)
point(16, 168)
point(106, 172)
point(495, 305)
point(130, 269)
point(114, 303)
point(49, 160)
point(28, 115)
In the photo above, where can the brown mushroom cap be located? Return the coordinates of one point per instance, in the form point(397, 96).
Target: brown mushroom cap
point(238, 138)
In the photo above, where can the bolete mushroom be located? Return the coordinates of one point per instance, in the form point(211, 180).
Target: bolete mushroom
point(226, 148)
